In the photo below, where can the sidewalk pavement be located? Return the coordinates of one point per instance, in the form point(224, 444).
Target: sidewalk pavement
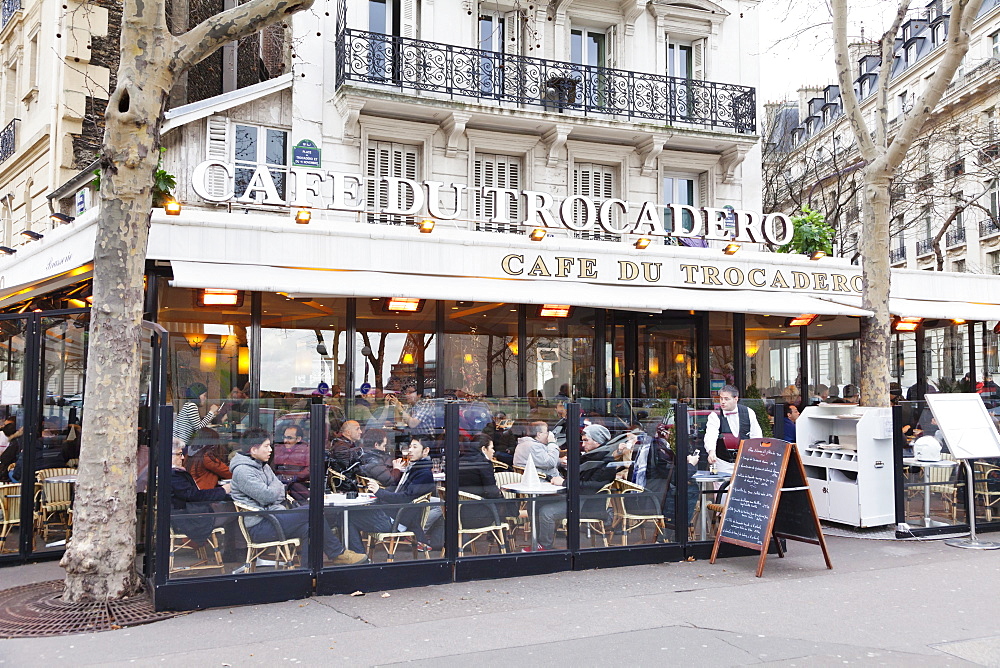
point(912, 603)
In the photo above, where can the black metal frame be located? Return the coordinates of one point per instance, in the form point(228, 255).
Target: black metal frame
point(464, 72)
point(8, 136)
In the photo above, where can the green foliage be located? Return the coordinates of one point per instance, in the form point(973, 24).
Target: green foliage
point(163, 183)
point(753, 401)
point(811, 233)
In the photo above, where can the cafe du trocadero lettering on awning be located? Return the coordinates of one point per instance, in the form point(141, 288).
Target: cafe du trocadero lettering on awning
point(214, 181)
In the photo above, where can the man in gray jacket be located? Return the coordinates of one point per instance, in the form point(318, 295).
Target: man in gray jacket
point(255, 485)
point(539, 445)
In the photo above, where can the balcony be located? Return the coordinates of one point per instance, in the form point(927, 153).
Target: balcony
point(988, 227)
point(925, 247)
point(7, 11)
point(491, 77)
point(897, 255)
point(955, 237)
point(8, 140)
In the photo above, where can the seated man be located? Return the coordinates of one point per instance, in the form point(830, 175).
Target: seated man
point(594, 474)
point(291, 462)
point(375, 461)
point(342, 449)
point(417, 480)
point(538, 444)
point(256, 486)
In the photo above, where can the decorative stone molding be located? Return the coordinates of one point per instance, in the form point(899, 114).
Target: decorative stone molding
point(649, 150)
point(351, 108)
point(454, 127)
point(730, 160)
point(556, 139)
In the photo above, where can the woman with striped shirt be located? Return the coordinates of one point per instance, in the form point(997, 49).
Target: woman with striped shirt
point(189, 420)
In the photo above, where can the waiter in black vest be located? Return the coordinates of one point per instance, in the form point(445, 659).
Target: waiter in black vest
point(726, 428)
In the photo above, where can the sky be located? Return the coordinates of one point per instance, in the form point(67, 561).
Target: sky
point(797, 44)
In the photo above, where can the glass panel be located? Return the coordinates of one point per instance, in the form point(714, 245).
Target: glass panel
point(834, 359)
point(246, 143)
point(720, 336)
point(480, 348)
point(668, 358)
point(12, 366)
point(933, 490)
point(773, 360)
point(209, 357)
point(946, 351)
point(62, 367)
point(276, 149)
point(559, 358)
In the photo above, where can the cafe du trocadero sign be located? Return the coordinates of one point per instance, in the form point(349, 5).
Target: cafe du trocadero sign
point(344, 191)
point(314, 188)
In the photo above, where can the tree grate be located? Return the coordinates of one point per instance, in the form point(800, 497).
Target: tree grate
point(37, 610)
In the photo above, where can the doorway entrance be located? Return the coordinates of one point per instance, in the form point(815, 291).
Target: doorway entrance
point(656, 356)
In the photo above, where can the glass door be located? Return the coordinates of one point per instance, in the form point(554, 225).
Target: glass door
point(13, 356)
point(667, 359)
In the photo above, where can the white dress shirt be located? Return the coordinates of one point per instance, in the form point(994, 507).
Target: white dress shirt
point(712, 434)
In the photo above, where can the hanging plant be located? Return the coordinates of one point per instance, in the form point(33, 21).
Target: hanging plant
point(811, 233)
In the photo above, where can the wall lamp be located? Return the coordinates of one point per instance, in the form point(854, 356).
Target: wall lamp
point(426, 226)
point(817, 255)
point(643, 243)
point(731, 248)
point(172, 208)
point(7, 250)
point(537, 234)
point(31, 234)
point(61, 218)
point(303, 216)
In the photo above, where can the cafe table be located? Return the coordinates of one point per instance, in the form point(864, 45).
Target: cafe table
point(533, 489)
point(341, 501)
point(706, 482)
point(926, 468)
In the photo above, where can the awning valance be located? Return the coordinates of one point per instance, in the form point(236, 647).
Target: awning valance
point(940, 310)
point(298, 282)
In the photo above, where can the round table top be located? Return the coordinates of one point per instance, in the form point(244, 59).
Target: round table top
point(342, 500)
point(70, 478)
point(706, 476)
point(913, 461)
point(540, 488)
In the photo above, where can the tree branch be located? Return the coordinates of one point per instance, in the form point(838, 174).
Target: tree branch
point(201, 41)
point(886, 47)
point(845, 71)
point(963, 13)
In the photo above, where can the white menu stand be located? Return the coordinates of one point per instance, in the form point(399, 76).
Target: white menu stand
point(970, 433)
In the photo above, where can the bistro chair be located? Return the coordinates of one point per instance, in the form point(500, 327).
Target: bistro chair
point(496, 529)
point(285, 549)
point(628, 520)
point(390, 540)
point(510, 478)
point(944, 481)
point(179, 541)
point(363, 482)
point(53, 499)
point(595, 526)
point(499, 465)
point(983, 494)
point(10, 511)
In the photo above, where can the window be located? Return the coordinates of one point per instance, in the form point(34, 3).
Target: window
point(33, 64)
point(926, 214)
point(995, 45)
point(588, 47)
point(679, 190)
point(955, 169)
point(496, 171)
point(865, 87)
point(991, 187)
point(254, 146)
point(911, 54)
point(994, 262)
point(598, 183)
point(938, 34)
point(388, 159)
point(904, 102)
point(958, 266)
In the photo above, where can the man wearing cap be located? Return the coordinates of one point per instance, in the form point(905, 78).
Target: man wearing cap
point(594, 474)
point(727, 428)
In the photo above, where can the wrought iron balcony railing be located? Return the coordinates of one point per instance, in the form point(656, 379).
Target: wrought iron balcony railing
point(7, 11)
point(925, 247)
point(897, 255)
point(8, 140)
point(988, 228)
point(458, 71)
point(954, 237)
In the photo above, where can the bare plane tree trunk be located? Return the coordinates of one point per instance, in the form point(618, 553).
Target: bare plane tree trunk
point(99, 560)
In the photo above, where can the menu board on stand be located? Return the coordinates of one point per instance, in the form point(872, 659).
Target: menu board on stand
point(769, 498)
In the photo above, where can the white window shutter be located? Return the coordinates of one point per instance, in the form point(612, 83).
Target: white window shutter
point(596, 182)
point(611, 47)
point(408, 18)
point(702, 190)
point(217, 147)
point(698, 60)
point(512, 33)
point(495, 171)
point(386, 159)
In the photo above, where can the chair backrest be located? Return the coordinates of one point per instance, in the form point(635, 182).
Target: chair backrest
point(240, 508)
point(982, 471)
point(40, 476)
point(364, 480)
point(499, 465)
point(10, 503)
point(55, 492)
point(507, 478)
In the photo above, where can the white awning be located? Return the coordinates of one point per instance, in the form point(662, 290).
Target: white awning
point(941, 310)
point(332, 283)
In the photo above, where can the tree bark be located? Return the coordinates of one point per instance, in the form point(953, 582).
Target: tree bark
point(875, 330)
point(99, 560)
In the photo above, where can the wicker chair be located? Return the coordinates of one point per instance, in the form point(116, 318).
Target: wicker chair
point(10, 505)
point(510, 478)
point(53, 499)
point(391, 540)
point(285, 549)
point(496, 529)
point(179, 542)
point(989, 499)
point(627, 520)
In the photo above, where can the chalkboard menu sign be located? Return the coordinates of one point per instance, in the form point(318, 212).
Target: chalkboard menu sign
point(769, 498)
